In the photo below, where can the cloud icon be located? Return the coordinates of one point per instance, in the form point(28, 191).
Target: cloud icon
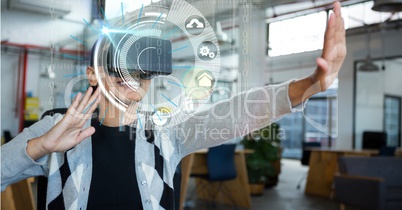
point(195, 23)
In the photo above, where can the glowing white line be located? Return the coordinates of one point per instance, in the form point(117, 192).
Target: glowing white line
point(139, 55)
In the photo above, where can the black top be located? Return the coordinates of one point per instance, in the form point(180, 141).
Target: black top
point(114, 183)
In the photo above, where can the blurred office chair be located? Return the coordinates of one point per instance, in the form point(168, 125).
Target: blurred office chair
point(369, 183)
point(7, 136)
point(387, 151)
point(221, 167)
point(305, 159)
point(374, 139)
point(42, 180)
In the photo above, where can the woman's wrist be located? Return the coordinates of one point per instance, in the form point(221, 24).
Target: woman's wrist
point(35, 148)
point(302, 89)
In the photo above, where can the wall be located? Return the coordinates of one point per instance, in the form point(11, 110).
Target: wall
point(370, 90)
point(23, 27)
point(9, 93)
point(369, 103)
point(34, 28)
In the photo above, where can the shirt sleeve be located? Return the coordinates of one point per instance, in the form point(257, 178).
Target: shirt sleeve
point(248, 111)
point(16, 165)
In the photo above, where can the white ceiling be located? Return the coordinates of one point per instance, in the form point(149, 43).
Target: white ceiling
point(217, 10)
point(275, 9)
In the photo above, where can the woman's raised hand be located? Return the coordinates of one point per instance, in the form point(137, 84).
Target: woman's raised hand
point(333, 52)
point(68, 132)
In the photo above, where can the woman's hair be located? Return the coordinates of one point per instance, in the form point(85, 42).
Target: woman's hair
point(91, 63)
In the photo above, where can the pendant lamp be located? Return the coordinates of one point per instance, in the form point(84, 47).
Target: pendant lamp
point(387, 5)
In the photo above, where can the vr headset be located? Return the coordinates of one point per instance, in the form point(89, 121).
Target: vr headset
point(148, 57)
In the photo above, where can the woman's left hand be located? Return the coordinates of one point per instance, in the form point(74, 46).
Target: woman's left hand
point(334, 51)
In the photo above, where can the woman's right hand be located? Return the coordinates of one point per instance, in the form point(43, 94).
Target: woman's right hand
point(68, 132)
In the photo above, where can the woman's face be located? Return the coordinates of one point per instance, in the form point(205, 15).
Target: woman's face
point(125, 90)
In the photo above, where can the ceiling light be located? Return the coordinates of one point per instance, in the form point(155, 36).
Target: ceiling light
point(387, 5)
point(369, 66)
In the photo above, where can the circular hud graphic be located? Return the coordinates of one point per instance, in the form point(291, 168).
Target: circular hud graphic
point(174, 47)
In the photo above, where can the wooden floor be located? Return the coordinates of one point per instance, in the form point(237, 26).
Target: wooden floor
point(284, 196)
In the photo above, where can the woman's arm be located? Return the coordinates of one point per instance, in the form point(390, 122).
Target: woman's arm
point(256, 108)
point(26, 155)
point(328, 65)
point(68, 131)
point(15, 162)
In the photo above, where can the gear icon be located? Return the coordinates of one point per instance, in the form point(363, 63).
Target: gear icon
point(211, 55)
point(204, 51)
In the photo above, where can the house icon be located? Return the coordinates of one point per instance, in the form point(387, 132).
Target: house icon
point(205, 80)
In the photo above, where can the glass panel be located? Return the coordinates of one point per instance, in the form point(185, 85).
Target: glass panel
point(320, 119)
point(391, 119)
point(292, 124)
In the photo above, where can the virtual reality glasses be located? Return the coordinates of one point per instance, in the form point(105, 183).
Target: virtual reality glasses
point(145, 57)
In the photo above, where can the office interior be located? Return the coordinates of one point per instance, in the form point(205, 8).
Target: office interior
point(42, 52)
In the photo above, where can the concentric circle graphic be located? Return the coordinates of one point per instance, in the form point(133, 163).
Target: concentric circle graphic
point(153, 40)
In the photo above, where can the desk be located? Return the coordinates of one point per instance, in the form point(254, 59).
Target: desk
point(323, 166)
point(18, 196)
point(238, 188)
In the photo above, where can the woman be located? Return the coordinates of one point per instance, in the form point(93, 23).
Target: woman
point(93, 167)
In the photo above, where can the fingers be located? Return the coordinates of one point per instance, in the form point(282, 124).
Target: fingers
point(84, 101)
point(85, 134)
point(334, 35)
point(76, 100)
point(323, 65)
point(83, 109)
point(329, 39)
point(337, 8)
point(92, 104)
point(340, 25)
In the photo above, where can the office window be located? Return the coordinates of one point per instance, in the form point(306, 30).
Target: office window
point(293, 125)
point(318, 123)
point(306, 33)
point(113, 8)
point(296, 35)
point(392, 119)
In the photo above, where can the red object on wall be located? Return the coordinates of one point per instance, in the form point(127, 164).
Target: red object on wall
point(21, 86)
point(22, 93)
